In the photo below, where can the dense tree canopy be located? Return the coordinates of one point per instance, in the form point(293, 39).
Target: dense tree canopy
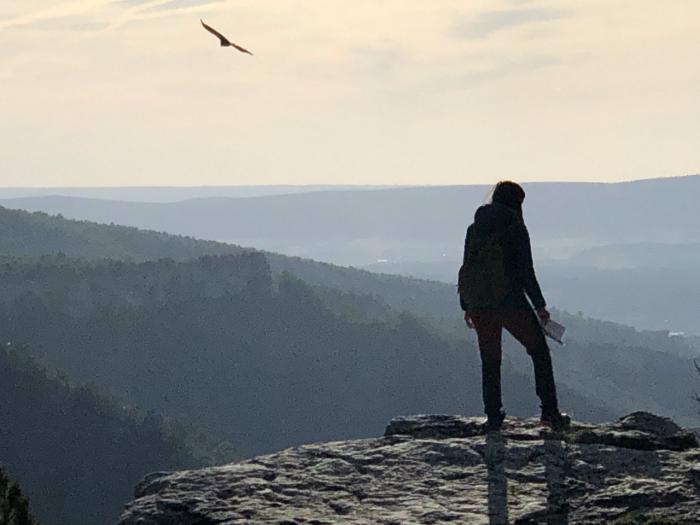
point(264, 362)
point(33, 234)
point(77, 453)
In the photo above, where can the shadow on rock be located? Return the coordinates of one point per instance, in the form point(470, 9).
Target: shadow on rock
point(495, 457)
point(556, 465)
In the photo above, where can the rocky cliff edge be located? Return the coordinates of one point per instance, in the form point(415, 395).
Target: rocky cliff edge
point(443, 469)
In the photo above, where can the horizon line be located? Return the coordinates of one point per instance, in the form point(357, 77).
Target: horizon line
point(342, 185)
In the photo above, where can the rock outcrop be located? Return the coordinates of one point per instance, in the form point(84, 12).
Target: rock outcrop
point(443, 469)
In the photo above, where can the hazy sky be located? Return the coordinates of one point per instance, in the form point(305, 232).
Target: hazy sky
point(134, 92)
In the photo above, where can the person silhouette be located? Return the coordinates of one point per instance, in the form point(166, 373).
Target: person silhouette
point(495, 281)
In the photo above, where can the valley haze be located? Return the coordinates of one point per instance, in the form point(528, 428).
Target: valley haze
point(622, 241)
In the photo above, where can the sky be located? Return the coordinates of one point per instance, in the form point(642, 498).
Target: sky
point(135, 92)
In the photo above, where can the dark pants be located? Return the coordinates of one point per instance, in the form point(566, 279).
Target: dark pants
point(524, 326)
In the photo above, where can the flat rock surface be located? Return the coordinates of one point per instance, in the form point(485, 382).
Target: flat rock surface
point(443, 469)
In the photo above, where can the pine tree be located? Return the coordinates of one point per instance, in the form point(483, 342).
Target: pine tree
point(14, 506)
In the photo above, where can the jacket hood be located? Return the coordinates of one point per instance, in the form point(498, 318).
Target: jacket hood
point(493, 218)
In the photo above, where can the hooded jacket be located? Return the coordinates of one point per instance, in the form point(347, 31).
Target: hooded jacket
point(499, 219)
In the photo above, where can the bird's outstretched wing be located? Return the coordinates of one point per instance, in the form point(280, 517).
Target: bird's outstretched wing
point(241, 49)
point(224, 40)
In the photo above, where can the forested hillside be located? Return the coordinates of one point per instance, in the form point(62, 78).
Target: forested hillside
point(33, 234)
point(76, 453)
point(622, 252)
point(36, 234)
point(268, 359)
point(24, 234)
point(621, 294)
point(264, 362)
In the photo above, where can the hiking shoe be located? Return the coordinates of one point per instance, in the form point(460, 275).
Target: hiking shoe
point(494, 422)
point(555, 420)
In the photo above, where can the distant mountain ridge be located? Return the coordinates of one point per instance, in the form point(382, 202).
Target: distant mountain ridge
point(641, 254)
point(168, 193)
point(409, 224)
point(585, 236)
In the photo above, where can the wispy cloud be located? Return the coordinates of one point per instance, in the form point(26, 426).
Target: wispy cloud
point(55, 12)
point(166, 4)
point(65, 16)
point(505, 67)
point(484, 24)
point(180, 4)
point(70, 23)
point(146, 9)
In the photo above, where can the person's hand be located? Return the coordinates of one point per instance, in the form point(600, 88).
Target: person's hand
point(543, 314)
point(468, 320)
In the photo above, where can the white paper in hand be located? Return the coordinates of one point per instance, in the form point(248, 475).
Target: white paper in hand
point(555, 331)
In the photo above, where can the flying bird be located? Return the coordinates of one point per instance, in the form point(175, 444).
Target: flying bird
point(225, 42)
